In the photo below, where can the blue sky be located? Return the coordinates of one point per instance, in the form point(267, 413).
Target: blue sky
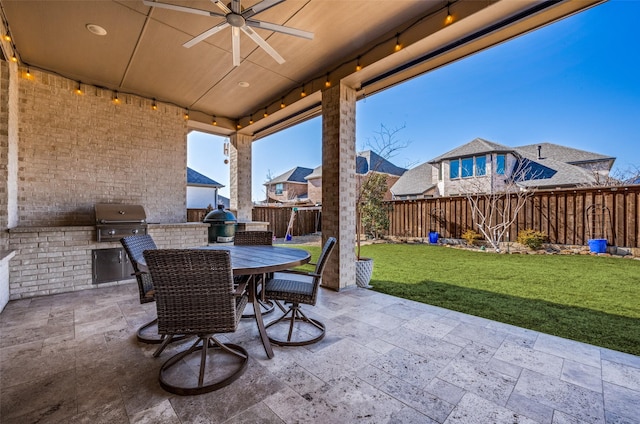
point(575, 83)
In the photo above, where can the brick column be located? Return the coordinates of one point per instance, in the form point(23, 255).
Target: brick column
point(240, 176)
point(338, 183)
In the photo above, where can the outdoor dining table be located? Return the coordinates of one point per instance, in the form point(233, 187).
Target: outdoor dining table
point(258, 260)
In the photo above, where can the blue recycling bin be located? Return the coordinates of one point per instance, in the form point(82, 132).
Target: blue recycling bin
point(598, 245)
point(433, 237)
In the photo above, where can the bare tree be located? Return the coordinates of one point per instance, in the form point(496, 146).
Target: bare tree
point(494, 211)
point(617, 177)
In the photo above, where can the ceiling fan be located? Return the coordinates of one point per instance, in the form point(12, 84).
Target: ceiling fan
point(239, 20)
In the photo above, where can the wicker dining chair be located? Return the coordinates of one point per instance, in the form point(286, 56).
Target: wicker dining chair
point(196, 295)
point(134, 246)
point(256, 238)
point(296, 287)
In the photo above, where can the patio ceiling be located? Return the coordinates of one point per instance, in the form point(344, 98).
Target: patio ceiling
point(142, 53)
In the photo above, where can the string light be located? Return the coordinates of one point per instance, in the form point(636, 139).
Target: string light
point(6, 37)
point(449, 17)
point(14, 59)
point(79, 88)
point(154, 106)
point(116, 100)
point(28, 74)
point(186, 114)
point(265, 113)
point(214, 122)
point(327, 82)
point(398, 45)
point(303, 93)
point(238, 126)
point(251, 120)
point(282, 104)
point(358, 66)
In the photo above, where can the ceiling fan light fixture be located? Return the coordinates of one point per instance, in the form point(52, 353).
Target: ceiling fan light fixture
point(238, 19)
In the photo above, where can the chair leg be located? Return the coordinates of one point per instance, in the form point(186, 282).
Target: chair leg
point(292, 315)
point(152, 337)
point(207, 344)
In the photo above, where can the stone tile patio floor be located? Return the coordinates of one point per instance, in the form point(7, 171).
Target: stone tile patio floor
point(73, 358)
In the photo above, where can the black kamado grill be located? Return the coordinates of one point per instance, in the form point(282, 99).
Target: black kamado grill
point(222, 225)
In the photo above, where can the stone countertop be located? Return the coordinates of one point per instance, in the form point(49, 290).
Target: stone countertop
point(93, 227)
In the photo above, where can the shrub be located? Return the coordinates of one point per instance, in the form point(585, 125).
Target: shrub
point(531, 238)
point(471, 237)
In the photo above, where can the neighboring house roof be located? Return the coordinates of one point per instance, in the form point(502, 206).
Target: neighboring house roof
point(294, 175)
point(564, 154)
point(552, 173)
point(194, 178)
point(317, 173)
point(415, 181)
point(366, 161)
point(474, 147)
point(370, 161)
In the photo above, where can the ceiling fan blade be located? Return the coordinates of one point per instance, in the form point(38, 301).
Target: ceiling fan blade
point(222, 6)
point(235, 45)
point(259, 7)
point(181, 8)
point(208, 33)
point(235, 6)
point(280, 28)
point(262, 43)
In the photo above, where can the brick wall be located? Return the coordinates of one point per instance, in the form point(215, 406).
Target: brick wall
point(4, 146)
point(78, 150)
point(51, 260)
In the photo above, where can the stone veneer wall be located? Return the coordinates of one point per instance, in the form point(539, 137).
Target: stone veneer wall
point(76, 150)
point(51, 260)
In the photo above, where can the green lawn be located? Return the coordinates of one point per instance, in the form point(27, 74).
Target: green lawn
point(591, 299)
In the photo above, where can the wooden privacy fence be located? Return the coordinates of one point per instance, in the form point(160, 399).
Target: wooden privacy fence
point(567, 216)
point(305, 222)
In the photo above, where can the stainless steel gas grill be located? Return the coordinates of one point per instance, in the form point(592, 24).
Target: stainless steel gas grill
point(114, 221)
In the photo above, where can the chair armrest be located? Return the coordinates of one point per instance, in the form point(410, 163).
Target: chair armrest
point(294, 271)
point(241, 288)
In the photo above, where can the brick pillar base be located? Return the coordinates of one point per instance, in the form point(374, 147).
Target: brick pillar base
point(338, 183)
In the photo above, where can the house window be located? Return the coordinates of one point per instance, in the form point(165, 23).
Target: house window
point(454, 169)
point(481, 166)
point(279, 188)
point(500, 162)
point(467, 167)
point(440, 171)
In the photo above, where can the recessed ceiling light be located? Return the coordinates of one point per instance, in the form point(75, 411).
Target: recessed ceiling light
point(96, 29)
point(243, 84)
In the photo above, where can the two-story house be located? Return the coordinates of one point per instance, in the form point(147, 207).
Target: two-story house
point(486, 167)
point(366, 161)
point(288, 187)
